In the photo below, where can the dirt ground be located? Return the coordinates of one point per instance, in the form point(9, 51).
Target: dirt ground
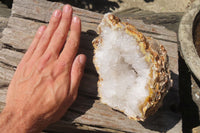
point(154, 5)
point(103, 6)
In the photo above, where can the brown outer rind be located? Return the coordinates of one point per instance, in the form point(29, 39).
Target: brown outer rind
point(155, 54)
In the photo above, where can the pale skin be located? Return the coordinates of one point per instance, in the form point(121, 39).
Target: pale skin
point(46, 81)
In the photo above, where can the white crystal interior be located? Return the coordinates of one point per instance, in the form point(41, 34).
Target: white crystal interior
point(124, 71)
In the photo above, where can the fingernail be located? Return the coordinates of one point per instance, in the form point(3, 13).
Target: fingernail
point(57, 13)
point(67, 8)
point(76, 19)
point(82, 59)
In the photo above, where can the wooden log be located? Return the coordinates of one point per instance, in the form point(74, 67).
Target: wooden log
point(87, 112)
point(6, 72)
point(3, 24)
point(10, 57)
point(4, 11)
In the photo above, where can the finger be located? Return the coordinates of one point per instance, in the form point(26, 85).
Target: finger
point(34, 43)
point(61, 32)
point(77, 72)
point(46, 37)
point(70, 49)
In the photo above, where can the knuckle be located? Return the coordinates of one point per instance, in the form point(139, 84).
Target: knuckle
point(45, 37)
point(60, 34)
point(46, 57)
point(43, 61)
point(61, 68)
point(57, 70)
point(40, 67)
point(51, 81)
point(61, 64)
point(53, 21)
point(50, 54)
point(73, 44)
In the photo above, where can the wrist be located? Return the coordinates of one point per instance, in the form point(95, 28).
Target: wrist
point(13, 121)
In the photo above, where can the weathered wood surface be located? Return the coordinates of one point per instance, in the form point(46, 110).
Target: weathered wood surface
point(87, 112)
point(4, 15)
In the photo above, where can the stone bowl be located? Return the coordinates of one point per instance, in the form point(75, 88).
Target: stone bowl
point(189, 38)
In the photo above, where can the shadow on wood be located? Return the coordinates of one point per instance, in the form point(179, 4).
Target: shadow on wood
point(189, 109)
point(8, 3)
point(3, 85)
point(149, 1)
point(101, 6)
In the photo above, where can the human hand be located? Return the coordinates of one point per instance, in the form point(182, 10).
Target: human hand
point(46, 81)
